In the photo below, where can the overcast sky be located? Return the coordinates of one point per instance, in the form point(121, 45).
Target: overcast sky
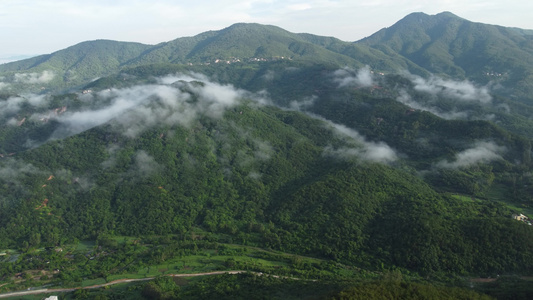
point(30, 27)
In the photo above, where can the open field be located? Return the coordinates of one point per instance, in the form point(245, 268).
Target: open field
point(85, 265)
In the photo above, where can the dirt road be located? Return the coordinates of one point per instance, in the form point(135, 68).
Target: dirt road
point(51, 291)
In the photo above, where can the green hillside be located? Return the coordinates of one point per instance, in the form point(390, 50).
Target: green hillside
point(443, 44)
point(451, 46)
point(240, 43)
point(72, 66)
point(428, 143)
point(274, 178)
point(392, 164)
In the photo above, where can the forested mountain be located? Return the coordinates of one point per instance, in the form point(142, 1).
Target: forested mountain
point(448, 45)
point(409, 150)
point(443, 44)
point(74, 65)
point(89, 60)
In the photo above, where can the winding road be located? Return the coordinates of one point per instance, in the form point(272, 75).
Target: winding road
point(64, 290)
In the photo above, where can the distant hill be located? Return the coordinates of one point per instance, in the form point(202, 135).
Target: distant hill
point(448, 45)
point(239, 43)
point(79, 63)
point(442, 44)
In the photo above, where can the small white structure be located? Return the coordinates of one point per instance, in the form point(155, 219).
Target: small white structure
point(520, 217)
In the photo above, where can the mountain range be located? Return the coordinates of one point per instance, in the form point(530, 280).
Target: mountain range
point(409, 150)
point(443, 44)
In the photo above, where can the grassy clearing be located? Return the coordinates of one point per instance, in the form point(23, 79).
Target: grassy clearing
point(210, 261)
point(224, 257)
point(85, 246)
point(500, 193)
point(496, 194)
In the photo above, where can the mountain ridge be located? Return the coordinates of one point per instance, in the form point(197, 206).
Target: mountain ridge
point(442, 44)
point(451, 46)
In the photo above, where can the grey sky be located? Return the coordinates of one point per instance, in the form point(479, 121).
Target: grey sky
point(45, 26)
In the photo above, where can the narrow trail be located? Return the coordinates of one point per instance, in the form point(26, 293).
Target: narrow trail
point(64, 290)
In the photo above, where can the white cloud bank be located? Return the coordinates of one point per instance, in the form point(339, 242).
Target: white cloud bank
point(178, 99)
point(348, 77)
point(406, 99)
point(461, 90)
point(481, 152)
point(12, 105)
point(365, 150)
point(448, 99)
point(34, 78)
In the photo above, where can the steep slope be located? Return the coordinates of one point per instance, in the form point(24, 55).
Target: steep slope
point(375, 58)
point(72, 66)
point(180, 153)
point(240, 43)
point(432, 131)
point(443, 44)
point(448, 45)
point(245, 42)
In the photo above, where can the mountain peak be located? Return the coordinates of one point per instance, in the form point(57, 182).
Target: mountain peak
point(421, 16)
point(447, 14)
point(253, 28)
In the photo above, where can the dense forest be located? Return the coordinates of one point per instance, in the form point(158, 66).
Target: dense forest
point(369, 182)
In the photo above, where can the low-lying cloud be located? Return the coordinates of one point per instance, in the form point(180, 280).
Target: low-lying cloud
point(481, 152)
point(174, 100)
point(14, 104)
point(461, 90)
point(269, 75)
point(121, 101)
point(12, 169)
point(34, 78)
point(448, 99)
point(302, 105)
point(406, 99)
point(369, 151)
point(348, 77)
